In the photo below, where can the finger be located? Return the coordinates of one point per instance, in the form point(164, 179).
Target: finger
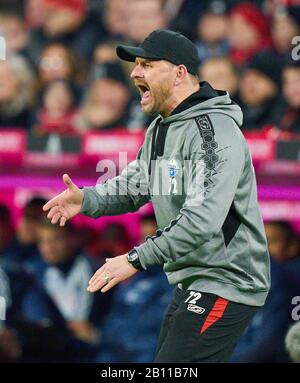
point(63, 221)
point(110, 285)
point(98, 278)
point(69, 183)
point(97, 284)
point(50, 204)
point(107, 259)
point(53, 211)
point(97, 274)
point(55, 218)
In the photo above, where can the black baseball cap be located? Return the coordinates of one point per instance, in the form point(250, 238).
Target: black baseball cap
point(163, 44)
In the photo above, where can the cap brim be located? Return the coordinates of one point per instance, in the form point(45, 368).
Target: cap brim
point(128, 53)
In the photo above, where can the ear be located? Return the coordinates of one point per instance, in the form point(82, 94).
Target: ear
point(181, 74)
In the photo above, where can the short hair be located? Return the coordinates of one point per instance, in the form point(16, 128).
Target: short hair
point(25, 77)
point(46, 223)
point(150, 217)
point(5, 215)
point(223, 59)
point(195, 78)
point(285, 227)
point(34, 208)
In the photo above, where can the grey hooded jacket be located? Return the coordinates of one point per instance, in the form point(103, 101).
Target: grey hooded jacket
point(195, 167)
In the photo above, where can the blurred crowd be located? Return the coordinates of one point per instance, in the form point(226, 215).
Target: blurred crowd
point(62, 74)
point(50, 316)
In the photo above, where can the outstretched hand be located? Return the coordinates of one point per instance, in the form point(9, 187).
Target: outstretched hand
point(66, 204)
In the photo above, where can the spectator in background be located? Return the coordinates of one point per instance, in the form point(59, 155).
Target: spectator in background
point(282, 240)
point(284, 246)
point(64, 272)
point(16, 92)
point(131, 330)
point(104, 107)
point(248, 32)
point(105, 53)
point(106, 65)
point(259, 91)
point(263, 341)
point(115, 19)
point(34, 13)
point(288, 114)
point(27, 231)
point(212, 31)
point(143, 18)
point(183, 15)
point(58, 110)
point(15, 32)
point(285, 26)
point(67, 22)
point(222, 74)
point(116, 239)
point(113, 240)
point(57, 62)
point(34, 330)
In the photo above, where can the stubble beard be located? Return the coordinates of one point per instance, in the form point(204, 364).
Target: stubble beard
point(160, 96)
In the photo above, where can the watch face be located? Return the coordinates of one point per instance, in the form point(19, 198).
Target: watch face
point(133, 256)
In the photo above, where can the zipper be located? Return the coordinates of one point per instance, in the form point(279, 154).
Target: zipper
point(153, 155)
point(157, 146)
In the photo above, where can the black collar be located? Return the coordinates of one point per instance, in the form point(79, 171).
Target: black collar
point(205, 92)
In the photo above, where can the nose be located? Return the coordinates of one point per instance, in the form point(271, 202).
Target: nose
point(137, 72)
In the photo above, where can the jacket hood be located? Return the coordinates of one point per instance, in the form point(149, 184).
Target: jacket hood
point(206, 100)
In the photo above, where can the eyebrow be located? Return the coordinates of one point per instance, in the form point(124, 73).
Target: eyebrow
point(142, 61)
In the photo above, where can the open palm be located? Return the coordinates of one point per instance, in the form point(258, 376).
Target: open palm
point(66, 204)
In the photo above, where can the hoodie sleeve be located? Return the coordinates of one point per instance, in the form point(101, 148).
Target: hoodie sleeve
point(216, 149)
point(122, 194)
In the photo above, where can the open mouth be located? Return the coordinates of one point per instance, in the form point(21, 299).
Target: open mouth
point(144, 92)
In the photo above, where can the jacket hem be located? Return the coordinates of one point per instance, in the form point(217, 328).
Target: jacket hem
point(228, 291)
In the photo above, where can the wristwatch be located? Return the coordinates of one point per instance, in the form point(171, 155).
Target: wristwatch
point(133, 259)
